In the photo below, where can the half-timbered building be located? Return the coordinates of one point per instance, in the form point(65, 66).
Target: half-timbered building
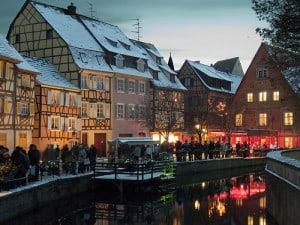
point(59, 35)
point(57, 107)
point(266, 106)
point(17, 98)
point(207, 100)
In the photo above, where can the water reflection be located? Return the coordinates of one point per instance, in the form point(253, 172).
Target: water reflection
point(239, 200)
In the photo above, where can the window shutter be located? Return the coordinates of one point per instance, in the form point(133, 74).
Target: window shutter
point(5, 109)
point(9, 73)
point(107, 110)
point(67, 103)
point(49, 122)
point(65, 123)
point(116, 83)
point(126, 108)
point(61, 101)
point(49, 100)
point(136, 111)
point(107, 84)
point(18, 108)
point(126, 85)
point(78, 124)
point(32, 109)
point(62, 123)
point(78, 100)
point(116, 111)
point(88, 109)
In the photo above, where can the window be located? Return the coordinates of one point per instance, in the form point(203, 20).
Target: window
point(261, 73)
point(263, 119)
point(187, 82)
point(17, 38)
point(100, 110)
point(249, 97)
point(72, 124)
point(120, 85)
point(131, 86)
point(141, 65)
point(83, 82)
point(99, 83)
point(276, 96)
point(25, 81)
point(142, 112)
point(288, 118)
point(24, 109)
point(119, 61)
point(262, 96)
point(238, 120)
point(49, 34)
point(120, 111)
point(55, 98)
point(288, 142)
point(73, 100)
point(83, 57)
point(131, 111)
point(84, 109)
point(154, 74)
point(142, 87)
point(55, 122)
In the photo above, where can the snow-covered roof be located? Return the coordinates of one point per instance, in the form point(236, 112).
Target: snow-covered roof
point(7, 50)
point(68, 27)
point(111, 38)
point(213, 73)
point(48, 74)
point(163, 80)
point(89, 59)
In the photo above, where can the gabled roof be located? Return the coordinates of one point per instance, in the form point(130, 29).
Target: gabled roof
point(226, 65)
point(288, 63)
point(210, 71)
point(163, 80)
point(8, 51)
point(48, 74)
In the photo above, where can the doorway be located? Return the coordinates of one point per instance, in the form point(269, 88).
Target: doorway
point(100, 144)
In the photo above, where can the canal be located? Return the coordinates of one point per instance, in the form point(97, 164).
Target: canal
point(234, 200)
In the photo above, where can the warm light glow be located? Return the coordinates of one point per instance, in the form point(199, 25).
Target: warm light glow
point(155, 137)
point(197, 126)
point(197, 205)
point(262, 220)
point(262, 202)
point(171, 138)
point(203, 185)
point(250, 220)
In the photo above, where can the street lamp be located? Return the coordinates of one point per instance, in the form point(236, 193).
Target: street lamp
point(199, 132)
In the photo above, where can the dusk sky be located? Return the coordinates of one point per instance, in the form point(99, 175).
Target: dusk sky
point(202, 30)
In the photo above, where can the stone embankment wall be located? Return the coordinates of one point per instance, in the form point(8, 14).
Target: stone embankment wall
point(283, 186)
point(206, 166)
point(24, 199)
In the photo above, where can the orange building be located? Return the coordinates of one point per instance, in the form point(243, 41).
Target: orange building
point(265, 108)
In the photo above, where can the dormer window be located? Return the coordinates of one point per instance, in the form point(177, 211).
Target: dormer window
point(154, 74)
point(158, 60)
point(119, 61)
point(126, 46)
point(83, 57)
point(111, 42)
point(172, 77)
point(140, 65)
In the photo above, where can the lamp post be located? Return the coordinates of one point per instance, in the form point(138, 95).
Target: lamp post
point(199, 132)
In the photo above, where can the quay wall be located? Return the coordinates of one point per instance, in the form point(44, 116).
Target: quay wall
point(283, 186)
point(24, 199)
point(206, 166)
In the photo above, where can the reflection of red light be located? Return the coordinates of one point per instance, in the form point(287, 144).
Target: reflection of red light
point(223, 195)
point(242, 186)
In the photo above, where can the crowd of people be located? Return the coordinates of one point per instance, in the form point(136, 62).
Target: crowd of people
point(23, 166)
point(197, 151)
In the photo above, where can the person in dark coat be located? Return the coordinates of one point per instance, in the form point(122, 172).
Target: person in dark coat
point(21, 161)
point(34, 158)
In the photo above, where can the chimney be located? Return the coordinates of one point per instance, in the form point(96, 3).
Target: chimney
point(71, 9)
